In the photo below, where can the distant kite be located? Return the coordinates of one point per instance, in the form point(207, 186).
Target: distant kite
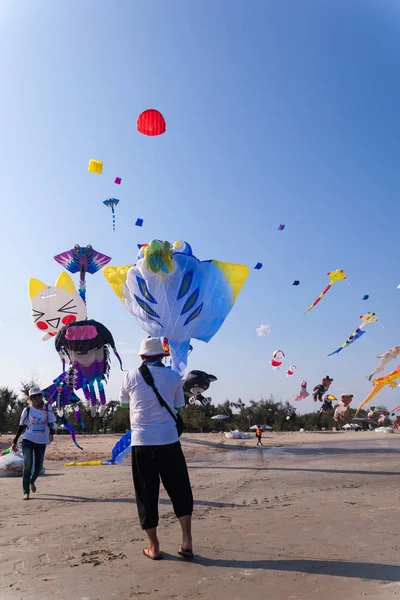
point(112, 203)
point(281, 227)
point(366, 320)
point(151, 122)
point(365, 297)
point(258, 266)
point(337, 275)
point(303, 392)
point(263, 330)
point(291, 371)
point(388, 379)
point(277, 359)
point(117, 180)
point(139, 222)
point(296, 282)
point(95, 166)
point(82, 260)
point(386, 358)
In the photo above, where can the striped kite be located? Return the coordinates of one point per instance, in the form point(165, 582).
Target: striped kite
point(337, 275)
point(366, 319)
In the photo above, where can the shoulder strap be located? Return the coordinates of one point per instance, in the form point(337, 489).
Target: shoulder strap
point(28, 408)
point(148, 377)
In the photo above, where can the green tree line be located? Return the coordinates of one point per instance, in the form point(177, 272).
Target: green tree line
point(281, 416)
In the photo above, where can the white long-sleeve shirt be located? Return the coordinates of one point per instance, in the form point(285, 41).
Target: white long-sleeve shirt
point(151, 423)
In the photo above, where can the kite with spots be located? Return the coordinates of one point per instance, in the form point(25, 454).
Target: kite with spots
point(337, 275)
point(173, 294)
point(82, 260)
point(56, 305)
point(357, 333)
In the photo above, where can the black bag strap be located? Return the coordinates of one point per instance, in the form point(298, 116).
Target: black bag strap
point(148, 377)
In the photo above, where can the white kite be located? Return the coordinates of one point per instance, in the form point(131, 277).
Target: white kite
point(386, 358)
point(263, 330)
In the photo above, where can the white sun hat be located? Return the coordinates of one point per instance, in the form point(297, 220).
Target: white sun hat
point(34, 391)
point(151, 347)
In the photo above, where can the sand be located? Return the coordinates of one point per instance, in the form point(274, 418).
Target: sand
point(311, 515)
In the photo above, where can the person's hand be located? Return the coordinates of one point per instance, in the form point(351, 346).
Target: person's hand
point(14, 448)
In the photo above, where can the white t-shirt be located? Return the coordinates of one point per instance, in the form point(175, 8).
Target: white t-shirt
point(37, 423)
point(151, 423)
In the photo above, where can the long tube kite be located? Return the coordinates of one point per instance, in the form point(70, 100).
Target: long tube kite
point(388, 379)
point(112, 203)
point(357, 333)
point(337, 275)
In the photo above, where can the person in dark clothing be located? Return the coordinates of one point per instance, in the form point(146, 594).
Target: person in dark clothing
point(156, 450)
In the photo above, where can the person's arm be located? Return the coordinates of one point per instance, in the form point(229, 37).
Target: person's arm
point(179, 397)
point(22, 426)
point(124, 397)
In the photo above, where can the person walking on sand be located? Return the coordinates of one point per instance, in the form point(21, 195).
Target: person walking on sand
point(37, 425)
point(258, 436)
point(155, 396)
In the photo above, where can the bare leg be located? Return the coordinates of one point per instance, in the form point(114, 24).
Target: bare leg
point(154, 544)
point(186, 524)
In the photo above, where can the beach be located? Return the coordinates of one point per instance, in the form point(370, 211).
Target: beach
point(310, 515)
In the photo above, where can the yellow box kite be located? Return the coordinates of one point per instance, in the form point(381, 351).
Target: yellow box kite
point(95, 166)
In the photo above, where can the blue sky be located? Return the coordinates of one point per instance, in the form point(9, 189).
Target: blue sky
point(277, 112)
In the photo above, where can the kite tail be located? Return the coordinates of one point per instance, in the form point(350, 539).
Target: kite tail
point(113, 217)
point(86, 392)
point(328, 287)
point(60, 408)
point(107, 363)
point(71, 430)
point(82, 290)
point(82, 285)
point(78, 417)
point(92, 394)
point(103, 400)
point(119, 358)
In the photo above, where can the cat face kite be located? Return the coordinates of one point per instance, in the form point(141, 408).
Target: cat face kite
point(55, 306)
point(195, 384)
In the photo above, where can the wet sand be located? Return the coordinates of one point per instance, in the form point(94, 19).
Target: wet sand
point(308, 516)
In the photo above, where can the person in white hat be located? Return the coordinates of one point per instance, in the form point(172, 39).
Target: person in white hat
point(37, 425)
point(155, 396)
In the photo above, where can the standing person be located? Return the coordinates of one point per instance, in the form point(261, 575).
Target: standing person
point(258, 436)
point(156, 450)
point(37, 425)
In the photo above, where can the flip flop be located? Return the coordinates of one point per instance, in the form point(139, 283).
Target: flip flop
point(186, 554)
point(146, 552)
